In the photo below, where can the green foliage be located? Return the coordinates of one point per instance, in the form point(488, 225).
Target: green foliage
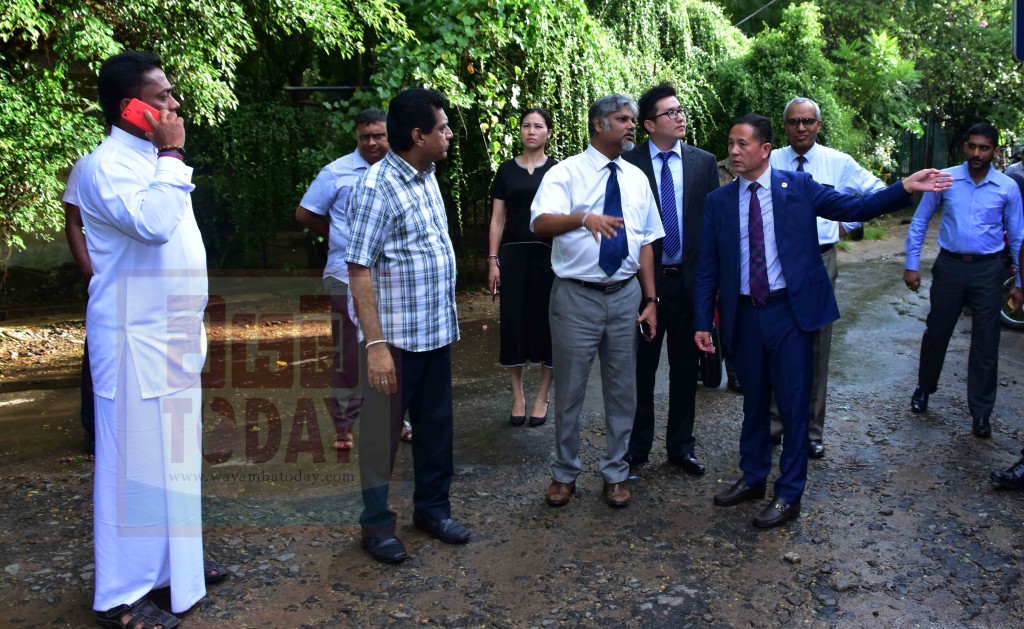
point(50, 51)
point(782, 63)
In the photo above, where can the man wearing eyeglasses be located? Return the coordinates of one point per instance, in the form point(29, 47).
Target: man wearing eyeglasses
point(832, 169)
point(680, 176)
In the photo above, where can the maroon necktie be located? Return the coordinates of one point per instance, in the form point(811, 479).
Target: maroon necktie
point(758, 263)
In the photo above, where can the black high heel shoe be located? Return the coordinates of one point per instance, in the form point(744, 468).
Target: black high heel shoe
point(517, 420)
point(539, 421)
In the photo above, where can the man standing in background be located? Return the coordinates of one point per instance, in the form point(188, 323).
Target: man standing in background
point(324, 211)
point(839, 171)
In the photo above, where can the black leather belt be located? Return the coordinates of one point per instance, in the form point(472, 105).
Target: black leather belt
point(610, 287)
point(968, 257)
point(672, 270)
point(826, 248)
point(774, 297)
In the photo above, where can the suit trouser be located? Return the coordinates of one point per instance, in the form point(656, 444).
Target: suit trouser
point(675, 320)
point(955, 284)
point(347, 398)
point(584, 323)
point(819, 381)
point(425, 390)
point(773, 355)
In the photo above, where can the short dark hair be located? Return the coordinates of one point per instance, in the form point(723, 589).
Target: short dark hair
point(540, 111)
point(414, 108)
point(985, 130)
point(761, 124)
point(649, 100)
point(122, 76)
point(370, 116)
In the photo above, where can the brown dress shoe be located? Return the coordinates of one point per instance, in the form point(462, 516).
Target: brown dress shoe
point(558, 493)
point(617, 494)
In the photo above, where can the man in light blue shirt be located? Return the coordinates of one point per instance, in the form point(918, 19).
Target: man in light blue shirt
point(833, 169)
point(980, 211)
point(324, 211)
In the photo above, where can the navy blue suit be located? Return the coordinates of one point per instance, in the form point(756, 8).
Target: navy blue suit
point(773, 344)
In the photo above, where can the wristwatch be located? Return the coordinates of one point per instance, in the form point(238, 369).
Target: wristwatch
point(651, 300)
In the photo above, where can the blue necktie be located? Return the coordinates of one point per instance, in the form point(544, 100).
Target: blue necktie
point(614, 250)
point(759, 286)
point(669, 220)
point(800, 159)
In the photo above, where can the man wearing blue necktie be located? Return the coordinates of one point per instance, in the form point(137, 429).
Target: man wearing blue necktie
point(680, 177)
point(602, 217)
point(759, 254)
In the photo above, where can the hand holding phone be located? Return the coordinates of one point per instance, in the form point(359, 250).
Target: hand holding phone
point(645, 331)
point(133, 114)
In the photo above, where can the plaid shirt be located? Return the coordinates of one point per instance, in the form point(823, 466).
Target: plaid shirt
point(399, 230)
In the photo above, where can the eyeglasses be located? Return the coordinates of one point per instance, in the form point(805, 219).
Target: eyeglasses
point(796, 122)
point(672, 114)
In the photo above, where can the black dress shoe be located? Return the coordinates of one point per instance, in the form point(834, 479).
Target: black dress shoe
point(739, 492)
point(388, 549)
point(688, 463)
point(919, 401)
point(1012, 478)
point(982, 429)
point(447, 530)
point(778, 512)
point(815, 449)
point(734, 385)
point(635, 460)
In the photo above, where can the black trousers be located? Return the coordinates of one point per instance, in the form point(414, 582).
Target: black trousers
point(978, 285)
point(675, 321)
point(425, 390)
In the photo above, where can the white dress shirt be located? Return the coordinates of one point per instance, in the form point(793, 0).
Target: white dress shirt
point(576, 186)
point(328, 196)
point(676, 166)
point(829, 167)
point(776, 280)
point(149, 287)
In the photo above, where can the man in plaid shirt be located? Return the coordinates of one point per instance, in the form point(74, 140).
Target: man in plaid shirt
point(402, 271)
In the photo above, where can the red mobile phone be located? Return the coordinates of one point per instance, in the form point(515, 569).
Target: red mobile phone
point(133, 114)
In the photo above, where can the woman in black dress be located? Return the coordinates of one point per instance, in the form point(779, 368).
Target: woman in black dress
point(523, 267)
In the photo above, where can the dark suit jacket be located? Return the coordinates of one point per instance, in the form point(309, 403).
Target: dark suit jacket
point(700, 177)
point(796, 200)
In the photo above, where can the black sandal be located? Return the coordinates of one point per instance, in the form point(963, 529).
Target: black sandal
point(142, 614)
point(214, 572)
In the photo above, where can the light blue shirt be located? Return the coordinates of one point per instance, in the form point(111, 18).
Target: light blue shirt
point(771, 251)
point(830, 167)
point(676, 166)
point(329, 195)
point(974, 216)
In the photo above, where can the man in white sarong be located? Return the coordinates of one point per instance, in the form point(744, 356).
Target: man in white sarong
point(147, 346)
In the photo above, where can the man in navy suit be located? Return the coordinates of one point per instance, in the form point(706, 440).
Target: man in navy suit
point(681, 177)
point(759, 253)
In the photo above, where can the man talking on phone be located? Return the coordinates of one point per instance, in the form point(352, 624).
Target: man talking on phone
point(147, 345)
point(601, 213)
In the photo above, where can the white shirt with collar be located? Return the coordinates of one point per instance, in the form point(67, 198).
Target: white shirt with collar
point(776, 280)
point(576, 186)
point(830, 167)
point(149, 287)
point(676, 166)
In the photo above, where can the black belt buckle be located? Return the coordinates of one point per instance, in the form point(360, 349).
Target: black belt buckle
point(968, 257)
point(610, 287)
point(774, 297)
point(672, 270)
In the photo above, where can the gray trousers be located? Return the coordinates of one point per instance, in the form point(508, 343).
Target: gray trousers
point(819, 382)
point(584, 323)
